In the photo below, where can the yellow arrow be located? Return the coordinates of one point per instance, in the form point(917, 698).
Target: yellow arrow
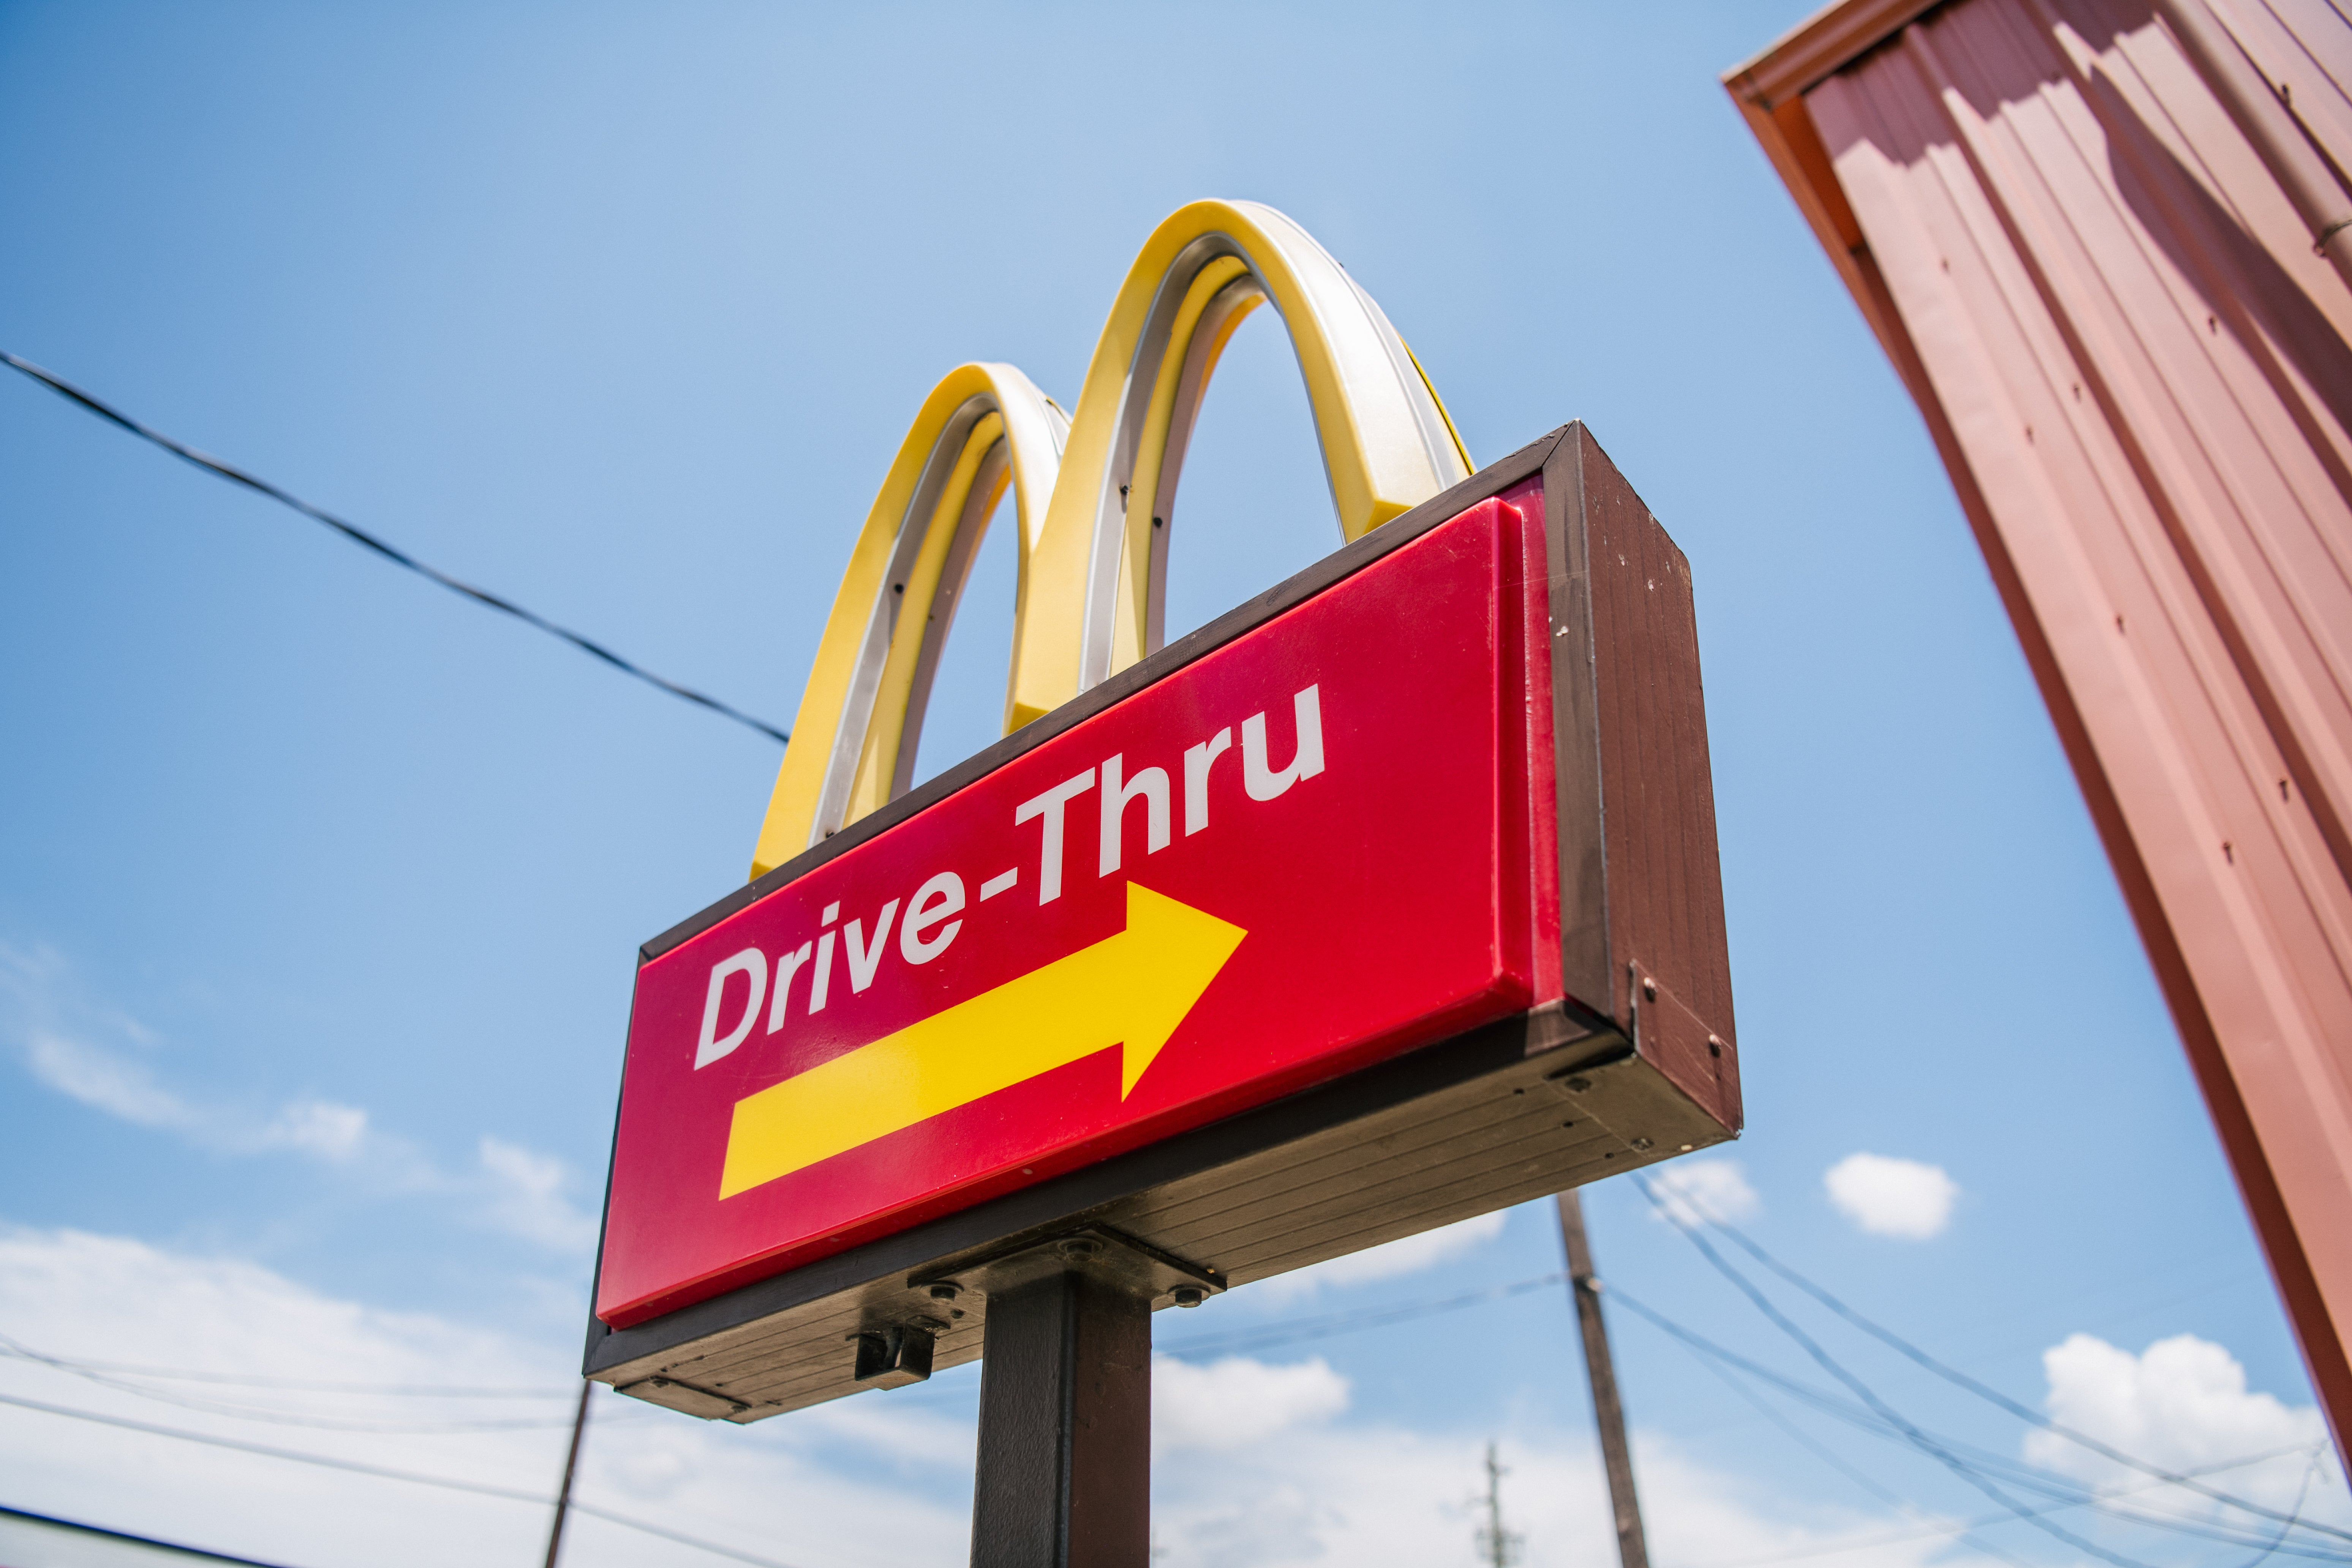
point(1131, 989)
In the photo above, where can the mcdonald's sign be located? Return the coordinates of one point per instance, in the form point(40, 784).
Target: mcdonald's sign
point(1388, 899)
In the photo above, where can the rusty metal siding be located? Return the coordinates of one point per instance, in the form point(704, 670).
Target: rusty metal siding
point(2136, 366)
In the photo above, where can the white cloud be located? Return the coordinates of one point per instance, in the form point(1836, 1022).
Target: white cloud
point(1694, 1191)
point(1379, 1495)
point(1407, 1254)
point(91, 1053)
point(319, 1127)
point(1264, 1467)
point(1236, 1402)
point(104, 1081)
point(2182, 1405)
point(1887, 1197)
point(526, 1199)
point(125, 1087)
point(843, 1484)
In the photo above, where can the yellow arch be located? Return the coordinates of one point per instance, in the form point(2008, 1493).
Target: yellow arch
point(1094, 495)
point(1388, 443)
point(852, 747)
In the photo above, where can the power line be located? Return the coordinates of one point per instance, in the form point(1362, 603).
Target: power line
point(1805, 1439)
point(699, 1544)
point(481, 1489)
point(10, 1347)
point(2065, 1493)
point(2302, 1495)
point(1869, 1396)
point(386, 1472)
point(398, 557)
point(1983, 1391)
point(1896, 1537)
point(1964, 1533)
point(19, 1349)
point(1323, 1328)
point(2062, 1495)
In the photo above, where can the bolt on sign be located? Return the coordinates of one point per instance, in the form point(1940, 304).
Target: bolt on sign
point(1389, 898)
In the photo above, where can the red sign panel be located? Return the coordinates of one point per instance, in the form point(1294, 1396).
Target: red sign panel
point(1323, 843)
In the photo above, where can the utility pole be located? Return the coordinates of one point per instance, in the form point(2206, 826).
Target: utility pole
point(1608, 1411)
point(1497, 1545)
point(571, 1463)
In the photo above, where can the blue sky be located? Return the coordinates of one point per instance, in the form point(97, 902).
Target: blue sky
point(320, 888)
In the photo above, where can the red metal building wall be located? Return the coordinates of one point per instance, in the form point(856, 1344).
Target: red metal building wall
point(2084, 243)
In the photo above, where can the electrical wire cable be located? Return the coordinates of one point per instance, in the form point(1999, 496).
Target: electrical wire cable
point(2059, 1491)
point(1813, 1348)
point(2063, 1492)
point(386, 1472)
point(356, 1467)
point(2302, 1496)
point(593, 1512)
point(2061, 1495)
point(1983, 1391)
point(2065, 1495)
point(398, 557)
point(1869, 1396)
point(1795, 1433)
point(1897, 1538)
point(2057, 1494)
point(121, 1385)
point(17, 1351)
point(1270, 1335)
point(1963, 1533)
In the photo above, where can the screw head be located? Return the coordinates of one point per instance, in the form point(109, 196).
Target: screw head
point(1188, 1295)
point(945, 1292)
point(1080, 1246)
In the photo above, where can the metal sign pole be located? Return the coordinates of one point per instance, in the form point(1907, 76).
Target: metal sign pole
point(1608, 1413)
point(1063, 1476)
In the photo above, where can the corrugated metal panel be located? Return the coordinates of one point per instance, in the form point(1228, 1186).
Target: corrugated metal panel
point(2304, 47)
point(2136, 364)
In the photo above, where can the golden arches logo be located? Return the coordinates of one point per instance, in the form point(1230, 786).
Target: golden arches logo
point(1093, 495)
